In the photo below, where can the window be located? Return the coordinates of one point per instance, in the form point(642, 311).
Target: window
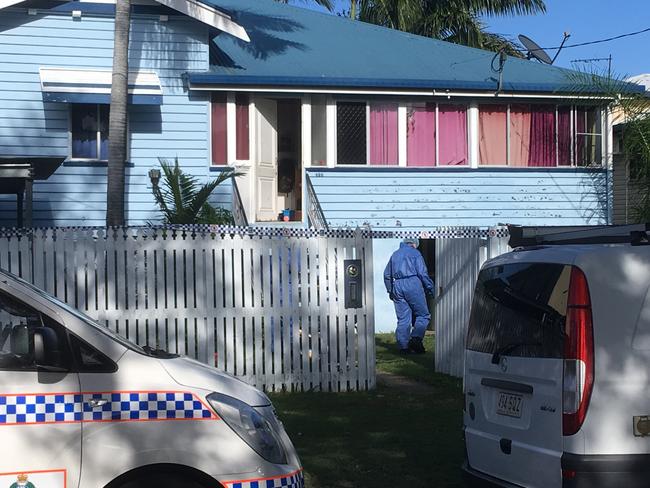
point(367, 133)
point(89, 127)
point(351, 133)
point(436, 135)
point(539, 135)
point(383, 134)
point(18, 324)
point(219, 124)
point(219, 129)
point(318, 130)
point(242, 123)
point(493, 135)
point(89, 359)
point(520, 309)
point(588, 130)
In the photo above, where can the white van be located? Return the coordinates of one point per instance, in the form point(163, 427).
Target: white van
point(82, 407)
point(557, 366)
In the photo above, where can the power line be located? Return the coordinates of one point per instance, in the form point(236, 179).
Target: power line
point(599, 41)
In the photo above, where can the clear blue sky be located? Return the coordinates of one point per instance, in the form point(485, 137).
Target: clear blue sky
point(585, 20)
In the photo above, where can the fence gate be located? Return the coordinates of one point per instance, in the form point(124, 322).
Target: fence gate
point(266, 305)
point(458, 261)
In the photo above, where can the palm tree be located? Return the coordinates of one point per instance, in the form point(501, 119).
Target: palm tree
point(117, 127)
point(117, 136)
point(456, 21)
point(183, 201)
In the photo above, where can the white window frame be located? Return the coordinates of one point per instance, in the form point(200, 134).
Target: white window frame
point(573, 129)
point(335, 128)
point(231, 128)
point(231, 131)
point(402, 132)
point(98, 140)
point(602, 135)
point(437, 104)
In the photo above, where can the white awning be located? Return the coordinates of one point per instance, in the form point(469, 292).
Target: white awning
point(192, 8)
point(73, 85)
point(9, 3)
point(208, 15)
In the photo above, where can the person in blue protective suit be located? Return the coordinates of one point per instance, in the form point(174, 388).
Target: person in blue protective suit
point(407, 279)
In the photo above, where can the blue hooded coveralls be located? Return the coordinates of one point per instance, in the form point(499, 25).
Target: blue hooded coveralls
point(407, 277)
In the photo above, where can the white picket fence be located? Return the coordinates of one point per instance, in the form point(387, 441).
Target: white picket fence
point(266, 306)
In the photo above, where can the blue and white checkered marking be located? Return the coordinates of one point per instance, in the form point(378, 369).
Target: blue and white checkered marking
point(120, 407)
point(295, 480)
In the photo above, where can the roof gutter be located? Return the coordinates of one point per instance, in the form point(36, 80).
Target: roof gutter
point(211, 81)
point(394, 92)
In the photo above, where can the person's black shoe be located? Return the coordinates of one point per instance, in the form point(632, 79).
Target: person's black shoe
point(416, 346)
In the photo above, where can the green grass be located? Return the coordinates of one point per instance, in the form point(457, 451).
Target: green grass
point(388, 437)
point(418, 367)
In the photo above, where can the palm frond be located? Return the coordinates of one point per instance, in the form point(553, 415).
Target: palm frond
point(202, 195)
point(505, 7)
point(455, 21)
point(183, 200)
point(633, 108)
point(323, 3)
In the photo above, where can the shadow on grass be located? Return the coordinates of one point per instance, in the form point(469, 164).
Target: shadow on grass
point(386, 437)
point(418, 367)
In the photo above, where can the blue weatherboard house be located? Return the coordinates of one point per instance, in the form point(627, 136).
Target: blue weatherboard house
point(332, 121)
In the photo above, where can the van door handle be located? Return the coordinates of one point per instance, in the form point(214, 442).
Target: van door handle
point(97, 402)
point(507, 385)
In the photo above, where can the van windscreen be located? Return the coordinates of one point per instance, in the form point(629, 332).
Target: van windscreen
point(520, 310)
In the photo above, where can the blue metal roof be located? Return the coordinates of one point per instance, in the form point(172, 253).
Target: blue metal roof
point(297, 47)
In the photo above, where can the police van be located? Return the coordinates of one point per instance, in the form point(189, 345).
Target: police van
point(557, 378)
point(83, 407)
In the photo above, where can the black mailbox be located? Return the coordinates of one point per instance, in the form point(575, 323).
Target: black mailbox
point(353, 281)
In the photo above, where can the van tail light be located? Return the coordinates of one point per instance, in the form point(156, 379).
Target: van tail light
point(578, 378)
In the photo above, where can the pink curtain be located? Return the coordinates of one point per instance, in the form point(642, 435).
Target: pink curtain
point(218, 122)
point(241, 123)
point(564, 136)
point(421, 136)
point(542, 136)
point(520, 119)
point(383, 134)
point(492, 134)
point(452, 143)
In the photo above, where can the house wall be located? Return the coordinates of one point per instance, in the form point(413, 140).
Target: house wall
point(626, 192)
point(413, 199)
point(75, 194)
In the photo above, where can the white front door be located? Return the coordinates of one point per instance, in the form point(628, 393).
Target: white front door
point(40, 406)
point(266, 185)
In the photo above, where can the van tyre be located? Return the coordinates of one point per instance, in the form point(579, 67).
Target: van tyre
point(164, 476)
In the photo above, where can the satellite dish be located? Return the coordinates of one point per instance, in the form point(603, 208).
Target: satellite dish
point(534, 51)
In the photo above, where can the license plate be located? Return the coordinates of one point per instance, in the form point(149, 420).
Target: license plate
point(509, 404)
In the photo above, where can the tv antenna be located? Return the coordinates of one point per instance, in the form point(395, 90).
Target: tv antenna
point(595, 60)
point(534, 51)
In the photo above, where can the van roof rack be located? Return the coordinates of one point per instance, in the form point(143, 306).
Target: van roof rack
point(523, 236)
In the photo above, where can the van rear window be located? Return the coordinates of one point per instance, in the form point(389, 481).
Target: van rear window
point(520, 310)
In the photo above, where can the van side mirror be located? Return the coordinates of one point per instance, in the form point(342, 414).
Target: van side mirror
point(46, 350)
